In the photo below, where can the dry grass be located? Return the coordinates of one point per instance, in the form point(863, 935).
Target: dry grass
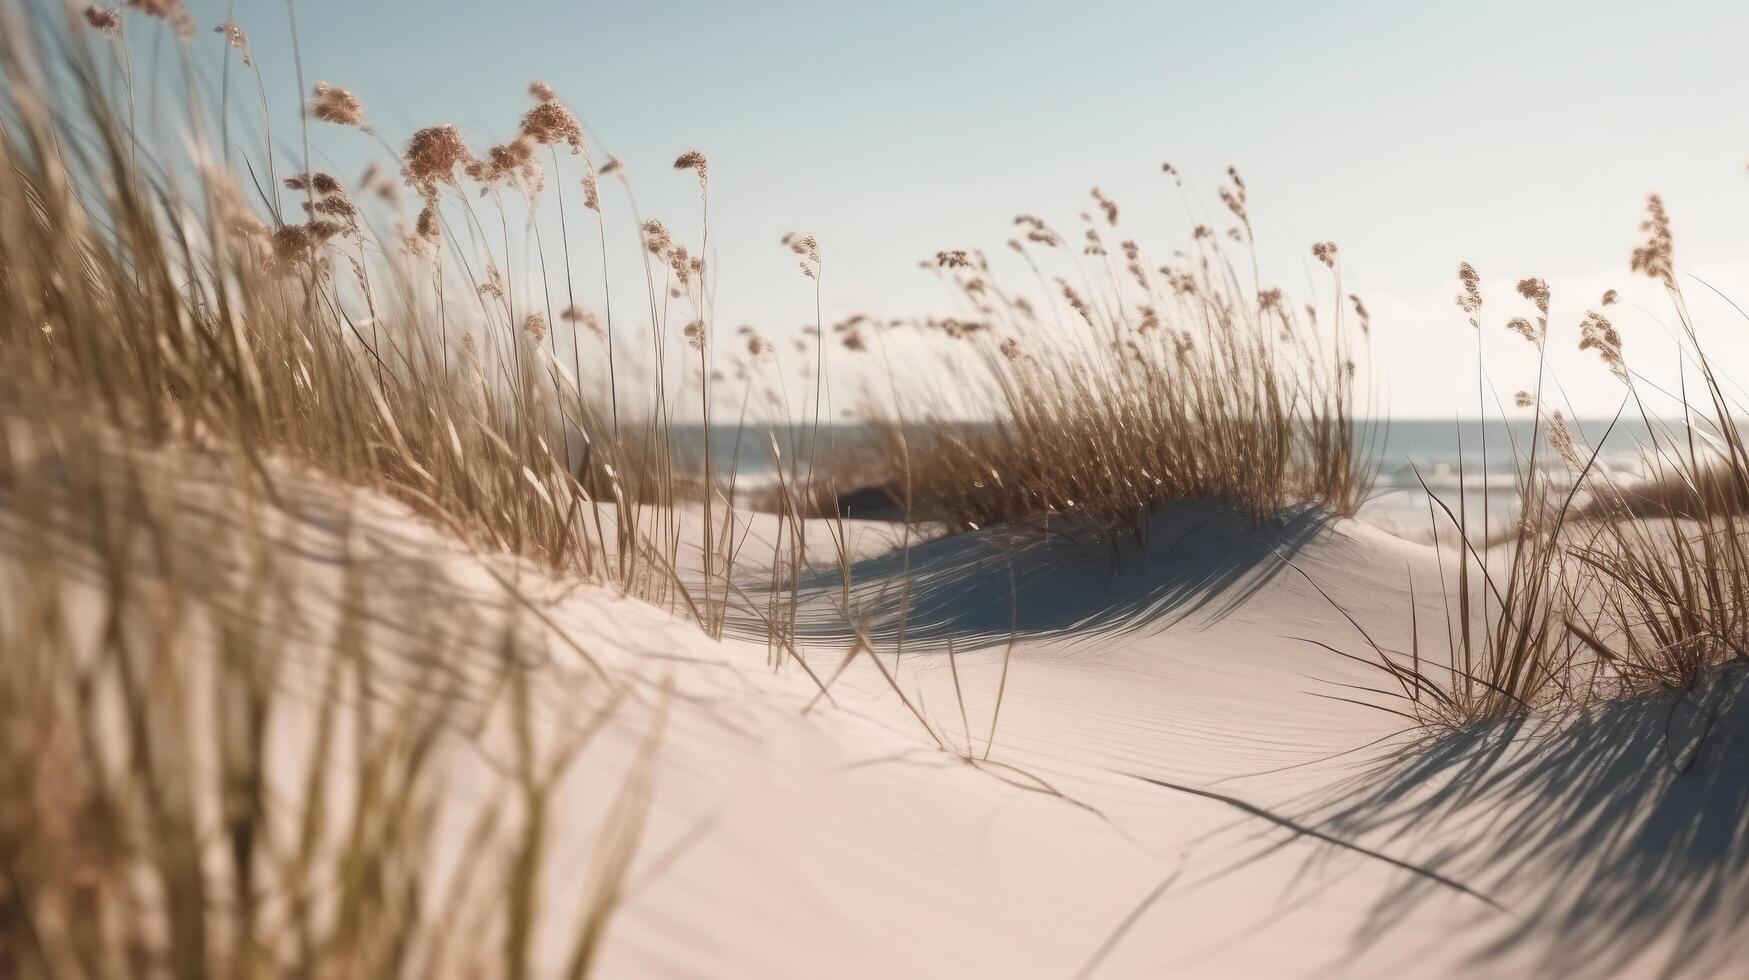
point(183, 303)
point(214, 771)
point(175, 805)
point(1129, 386)
point(1671, 559)
point(1599, 589)
point(1506, 646)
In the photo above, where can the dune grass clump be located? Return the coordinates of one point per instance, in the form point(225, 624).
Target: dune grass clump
point(211, 768)
point(179, 804)
point(184, 293)
point(1671, 554)
point(1600, 588)
point(178, 800)
point(1507, 650)
point(1128, 386)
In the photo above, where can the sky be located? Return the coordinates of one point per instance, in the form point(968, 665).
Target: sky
point(1522, 137)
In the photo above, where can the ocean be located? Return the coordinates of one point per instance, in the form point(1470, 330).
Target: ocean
point(1483, 461)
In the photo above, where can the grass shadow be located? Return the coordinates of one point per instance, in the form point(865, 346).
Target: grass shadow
point(980, 588)
point(1622, 829)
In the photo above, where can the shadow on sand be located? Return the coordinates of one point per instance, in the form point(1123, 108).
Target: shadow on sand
point(1623, 830)
point(980, 588)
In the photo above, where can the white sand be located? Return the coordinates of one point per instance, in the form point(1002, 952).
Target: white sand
point(1299, 833)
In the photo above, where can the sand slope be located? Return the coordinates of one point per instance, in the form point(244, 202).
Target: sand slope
point(1180, 781)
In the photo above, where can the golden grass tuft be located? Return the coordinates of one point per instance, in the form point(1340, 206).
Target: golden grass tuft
point(1186, 381)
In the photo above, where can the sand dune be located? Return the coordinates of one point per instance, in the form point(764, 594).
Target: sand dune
point(1184, 779)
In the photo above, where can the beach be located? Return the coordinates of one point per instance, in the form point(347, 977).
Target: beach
point(1159, 758)
point(433, 545)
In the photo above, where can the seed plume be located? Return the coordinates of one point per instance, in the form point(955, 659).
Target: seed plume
point(534, 326)
point(1537, 291)
point(494, 284)
point(1107, 205)
point(694, 161)
point(1596, 332)
point(319, 182)
point(551, 122)
point(1562, 442)
point(1234, 198)
point(809, 250)
point(426, 226)
point(1657, 257)
point(1524, 328)
point(1470, 300)
point(1075, 301)
point(235, 37)
point(104, 20)
point(508, 162)
point(172, 12)
point(1362, 315)
point(338, 106)
point(432, 156)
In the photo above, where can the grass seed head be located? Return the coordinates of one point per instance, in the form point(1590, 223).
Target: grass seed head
point(551, 123)
point(1597, 333)
point(336, 105)
point(1361, 314)
point(172, 12)
point(104, 20)
point(1107, 205)
point(1470, 300)
point(591, 192)
point(694, 161)
point(432, 156)
point(1657, 257)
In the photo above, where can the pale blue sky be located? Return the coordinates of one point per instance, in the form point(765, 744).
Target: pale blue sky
point(1521, 136)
